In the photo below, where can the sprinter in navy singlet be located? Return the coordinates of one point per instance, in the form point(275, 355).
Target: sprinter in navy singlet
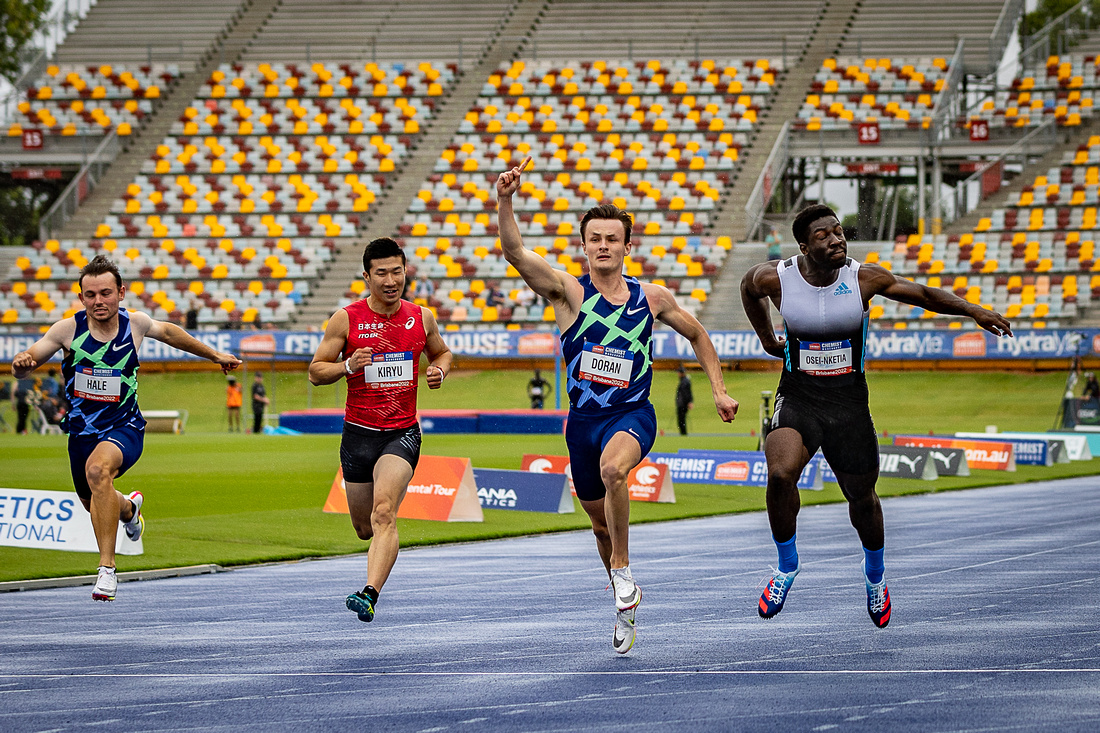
point(105, 426)
point(606, 321)
point(824, 297)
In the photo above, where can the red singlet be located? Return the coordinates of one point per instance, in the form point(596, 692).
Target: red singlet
point(383, 395)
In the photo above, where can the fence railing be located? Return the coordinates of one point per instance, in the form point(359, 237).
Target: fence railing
point(83, 183)
point(1035, 143)
point(770, 176)
point(1002, 31)
point(950, 101)
point(66, 14)
point(1057, 36)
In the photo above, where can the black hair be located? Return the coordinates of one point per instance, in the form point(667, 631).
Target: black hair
point(380, 249)
point(801, 226)
point(608, 211)
point(99, 265)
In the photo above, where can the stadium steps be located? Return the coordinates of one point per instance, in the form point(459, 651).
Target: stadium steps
point(723, 308)
point(145, 141)
point(1070, 139)
point(8, 256)
point(387, 213)
point(786, 100)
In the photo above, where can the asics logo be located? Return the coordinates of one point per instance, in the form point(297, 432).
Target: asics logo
point(410, 323)
point(632, 311)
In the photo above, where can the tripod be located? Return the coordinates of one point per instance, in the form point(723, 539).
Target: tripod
point(1066, 417)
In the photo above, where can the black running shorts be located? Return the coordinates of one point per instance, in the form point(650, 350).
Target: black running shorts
point(360, 449)
point(839, 424)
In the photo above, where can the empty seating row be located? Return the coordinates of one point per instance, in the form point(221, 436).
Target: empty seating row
point(77, 100)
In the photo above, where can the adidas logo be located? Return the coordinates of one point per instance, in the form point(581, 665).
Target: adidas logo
point(842, 289)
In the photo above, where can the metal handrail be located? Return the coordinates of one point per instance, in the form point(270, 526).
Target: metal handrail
point(1002, 31)
point(759, 199)
point(948, 97)
point(1041, 37)
point(53, 32)
point(1020, 146)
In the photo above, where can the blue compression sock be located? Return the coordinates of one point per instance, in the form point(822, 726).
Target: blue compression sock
point(788, 555)
point(873, 565)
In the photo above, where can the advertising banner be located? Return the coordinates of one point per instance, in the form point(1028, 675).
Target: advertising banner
point(731, 468)
point(537, 463)
point(986, 454)
point(647, 482)
point(53, 520)
point(651, 482)
point(900, 462)
point(522, 491)
point(950, 461)
point(1073, 447)
point(894, 345)
point(441, 489)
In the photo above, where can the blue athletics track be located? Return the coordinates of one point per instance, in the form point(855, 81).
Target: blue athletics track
point(996, 598)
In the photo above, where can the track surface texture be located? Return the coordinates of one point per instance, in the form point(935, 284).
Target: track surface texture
point(995, 594)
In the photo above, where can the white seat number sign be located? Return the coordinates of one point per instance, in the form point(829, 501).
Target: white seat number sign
point(101, 385)
point(605, 365)
point(825, 359)
point(390, 370)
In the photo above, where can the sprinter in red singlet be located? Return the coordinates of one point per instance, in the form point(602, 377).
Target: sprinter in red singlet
point(376, 345)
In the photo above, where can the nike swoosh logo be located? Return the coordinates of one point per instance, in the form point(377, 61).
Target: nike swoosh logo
point(631, 431)
point(627, 599)
point(632, 311)
point(116, 347)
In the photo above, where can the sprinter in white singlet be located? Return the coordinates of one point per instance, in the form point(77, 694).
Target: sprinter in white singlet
point(824, 297)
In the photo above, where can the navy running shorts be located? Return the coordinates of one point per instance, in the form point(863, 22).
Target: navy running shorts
point(844, 431)
point(129, 440)
point(360, 449)
point(587, 436)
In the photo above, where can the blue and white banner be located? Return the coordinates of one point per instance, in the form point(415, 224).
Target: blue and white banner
point(52, 520)
point(523, 491)
point(730, 468)
point(914, 345)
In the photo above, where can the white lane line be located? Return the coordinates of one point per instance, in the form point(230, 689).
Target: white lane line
point(550, 673)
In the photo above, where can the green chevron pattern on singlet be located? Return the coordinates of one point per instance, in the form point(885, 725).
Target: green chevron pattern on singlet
point(611, 323)
point(97, 358)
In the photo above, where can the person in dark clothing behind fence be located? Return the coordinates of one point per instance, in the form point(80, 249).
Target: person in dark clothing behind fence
point(537, 391)
point(684, 400)
point(260, 400)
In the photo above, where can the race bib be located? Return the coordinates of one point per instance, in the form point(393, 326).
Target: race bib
point(605, 365)
point(101, 385)
point(389, 370)
point(825, 359)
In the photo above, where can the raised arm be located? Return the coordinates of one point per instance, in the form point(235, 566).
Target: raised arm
point(877, 280)
point(176, 337)
point(435, 348)
point(668, 311)
point(536, 272)
point(58, 337)
point(759, 285)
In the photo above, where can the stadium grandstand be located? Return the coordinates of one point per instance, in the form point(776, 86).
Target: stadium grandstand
point(234, 157)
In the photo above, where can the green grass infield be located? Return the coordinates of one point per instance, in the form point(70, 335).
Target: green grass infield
point(234, 499)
